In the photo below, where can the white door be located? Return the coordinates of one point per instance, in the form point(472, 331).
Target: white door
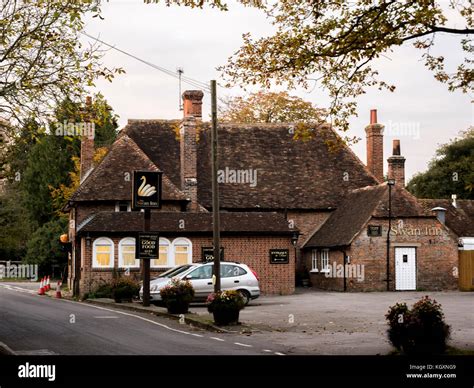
point(405, 268)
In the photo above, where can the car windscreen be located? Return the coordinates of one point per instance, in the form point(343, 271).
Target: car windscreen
point(175, 271)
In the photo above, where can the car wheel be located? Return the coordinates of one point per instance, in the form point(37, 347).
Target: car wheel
point(246, 295)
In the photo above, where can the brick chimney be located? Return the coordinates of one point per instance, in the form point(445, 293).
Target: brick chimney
point(374, 133)
point(396, 165)
point(87, 144)
point(192, 106)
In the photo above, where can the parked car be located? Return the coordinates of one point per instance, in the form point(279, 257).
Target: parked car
point(234, 276)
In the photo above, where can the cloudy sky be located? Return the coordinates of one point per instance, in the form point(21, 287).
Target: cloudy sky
point(200, 40)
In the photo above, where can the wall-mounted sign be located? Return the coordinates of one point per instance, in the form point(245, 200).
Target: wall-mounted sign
point(279, 256)
point(374, 230)
point(207, 254)
point(147, 245)
point(146, 190)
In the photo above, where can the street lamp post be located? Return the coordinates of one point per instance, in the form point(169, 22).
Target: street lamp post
point(294, 241)
point(390, 183)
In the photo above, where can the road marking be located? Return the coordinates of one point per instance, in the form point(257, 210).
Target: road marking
point(127, 314)
point(197, 335)
point(217, 339)
point(279, 354)
point(37, 352)
point(245, 345)
point(266, 350)
point(106, 317)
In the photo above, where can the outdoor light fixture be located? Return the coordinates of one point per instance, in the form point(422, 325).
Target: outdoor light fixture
point(88, 241)
point(294, 238)
point(391, 182)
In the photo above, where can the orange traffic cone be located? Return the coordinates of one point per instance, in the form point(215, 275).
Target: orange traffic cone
point(48, 285)
point(58, 290)
point(41, 289)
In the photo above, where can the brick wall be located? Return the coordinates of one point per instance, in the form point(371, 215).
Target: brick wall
point(252, 250)
point(436, 258)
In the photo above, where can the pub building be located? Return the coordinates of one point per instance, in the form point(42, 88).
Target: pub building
point(286, 205)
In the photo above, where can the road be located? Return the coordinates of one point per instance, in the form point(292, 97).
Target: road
point(40, 325)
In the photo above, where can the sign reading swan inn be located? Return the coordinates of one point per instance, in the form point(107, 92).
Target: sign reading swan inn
point(146, 190)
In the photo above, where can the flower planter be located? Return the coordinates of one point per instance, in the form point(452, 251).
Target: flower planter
point(224, 317)
point(177, 306)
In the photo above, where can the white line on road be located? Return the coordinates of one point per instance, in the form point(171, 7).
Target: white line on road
point(106, 317)
point(279, 354)
point(217, 339)
point(245, 345)
point(266, 350)
point(197, 335)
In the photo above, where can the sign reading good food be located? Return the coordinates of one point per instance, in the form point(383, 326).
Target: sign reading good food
point(208, 254)
point(146, 190)
point(279, 256)
point(147, 246)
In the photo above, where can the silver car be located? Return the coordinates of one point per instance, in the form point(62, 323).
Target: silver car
point(234, 276)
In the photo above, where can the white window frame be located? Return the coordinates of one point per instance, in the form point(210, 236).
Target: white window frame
point(94, 253)
point(117, 206)
point(314, 260)
point(324, 260)
point(180, 241)
point(169, 256)
point(121, 243)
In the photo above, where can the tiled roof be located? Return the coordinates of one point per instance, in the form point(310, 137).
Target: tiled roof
point(290, 173)
point(112, 179)
point(185, 222)
point(358, 207)
point(459, 219)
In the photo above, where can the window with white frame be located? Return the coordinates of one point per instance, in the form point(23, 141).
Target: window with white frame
point(163, 259)
point(127, 253)
point(103, 253)
point(182, 251)
point(314, 260)
point(325, 260)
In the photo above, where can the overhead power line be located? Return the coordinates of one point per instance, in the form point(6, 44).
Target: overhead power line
point(187, 80)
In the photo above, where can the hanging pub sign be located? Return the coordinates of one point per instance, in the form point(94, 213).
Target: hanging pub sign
point(207, 254)
point(279, 256)
point(147, 245)
point(374, 230)
point(146, 190)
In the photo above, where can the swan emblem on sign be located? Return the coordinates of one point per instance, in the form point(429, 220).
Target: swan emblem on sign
point(146, 190)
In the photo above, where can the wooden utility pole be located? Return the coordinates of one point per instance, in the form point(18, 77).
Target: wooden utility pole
point(215, 191)
point(146, 263)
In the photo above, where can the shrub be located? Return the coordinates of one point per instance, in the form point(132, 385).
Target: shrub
point(124, 289)
point(103, 291)
point(178, 290)
point(421, 330)
point(225, 300)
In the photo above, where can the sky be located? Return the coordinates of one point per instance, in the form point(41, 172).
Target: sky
point(422, 113)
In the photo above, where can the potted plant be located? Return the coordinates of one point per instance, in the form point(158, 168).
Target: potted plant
point(225, 306)
point(177, 296)
point(124, 289)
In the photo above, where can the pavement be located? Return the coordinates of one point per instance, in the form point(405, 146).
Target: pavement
point(40, 325)
point(308, 322)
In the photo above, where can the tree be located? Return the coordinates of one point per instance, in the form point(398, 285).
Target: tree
point(450, 172)
point(334, 43)
point(41, 56)
point(44, 248)
point(269, 107)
